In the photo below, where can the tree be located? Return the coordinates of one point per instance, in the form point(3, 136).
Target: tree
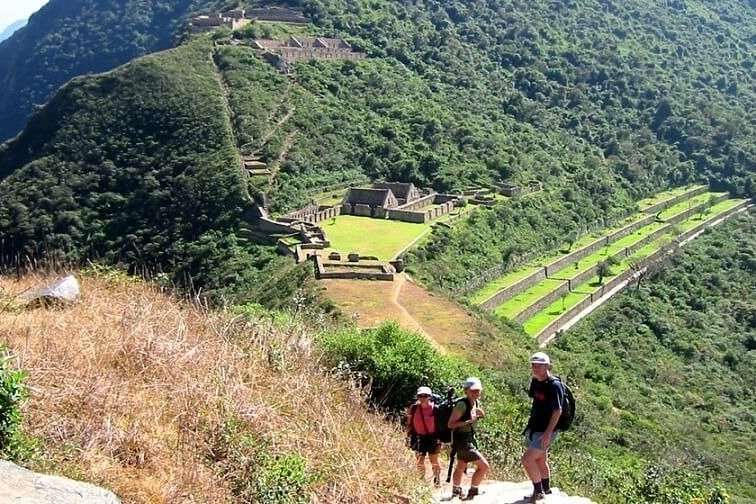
point(603, 270)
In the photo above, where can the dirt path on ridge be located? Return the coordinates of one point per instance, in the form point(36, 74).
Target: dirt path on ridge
point(371, 303)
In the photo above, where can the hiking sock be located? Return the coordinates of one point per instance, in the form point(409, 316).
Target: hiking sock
point(546, 485)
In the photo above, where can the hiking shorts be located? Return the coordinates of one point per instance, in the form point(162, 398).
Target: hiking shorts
point(533, 439)
point(425, 444)
point(468, 452)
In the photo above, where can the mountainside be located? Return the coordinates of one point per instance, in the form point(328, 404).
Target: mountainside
point(11, 29)
point(614, 101)
point(66, 38)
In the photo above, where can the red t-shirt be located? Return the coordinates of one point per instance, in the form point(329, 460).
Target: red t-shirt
point(426, 415)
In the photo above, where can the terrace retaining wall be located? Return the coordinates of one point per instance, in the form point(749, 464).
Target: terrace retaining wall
point(556, 325)
point(516, 288)
point(681, 197)
point(542, 302)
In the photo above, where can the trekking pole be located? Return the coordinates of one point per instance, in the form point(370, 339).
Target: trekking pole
point(451, 464)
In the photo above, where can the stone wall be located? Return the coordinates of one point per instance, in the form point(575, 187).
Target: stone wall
point(418, 203)
point(594, 246)
point(408, 216)
point(357, 271)
point(322, 215)
point(666, 204)
point(557, 324)
point(542, 302)
point(513, 290)
point(362, 210)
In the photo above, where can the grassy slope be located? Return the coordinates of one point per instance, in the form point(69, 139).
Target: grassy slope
point(158, 400)
point(541, 319)
point(666, 370)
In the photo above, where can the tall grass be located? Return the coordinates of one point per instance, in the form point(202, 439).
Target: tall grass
point(163, 401)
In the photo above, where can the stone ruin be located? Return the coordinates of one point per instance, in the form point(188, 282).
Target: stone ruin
point(397, 201)
point(279, 52)
point(237, 18)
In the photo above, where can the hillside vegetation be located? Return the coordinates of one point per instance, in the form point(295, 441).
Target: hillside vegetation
point(665, 370)
point(614, 102)
point(67, 38)
point(162, 401)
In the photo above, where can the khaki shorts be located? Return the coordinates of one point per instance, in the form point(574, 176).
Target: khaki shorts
point(467, 452)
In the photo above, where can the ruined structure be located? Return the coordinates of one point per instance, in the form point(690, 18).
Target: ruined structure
point(297, 49)
point(397, 201)
point(278, 14)
point(237, 18)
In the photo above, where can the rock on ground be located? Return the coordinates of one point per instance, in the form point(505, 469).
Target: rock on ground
point(499, 492)
point(22, 486)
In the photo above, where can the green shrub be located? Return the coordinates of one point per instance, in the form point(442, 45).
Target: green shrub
point(13, 391)
point(393, 362)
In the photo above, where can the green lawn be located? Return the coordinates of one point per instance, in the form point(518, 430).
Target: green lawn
point(515, 305)
point(531, 267)
point(665, 195)
point(374, 237)
point(543, 318)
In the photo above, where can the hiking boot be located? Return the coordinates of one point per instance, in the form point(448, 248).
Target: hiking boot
point(456, 492)
point(535, 497)
point(436, 481)
point(471, 494)
point(548, 492)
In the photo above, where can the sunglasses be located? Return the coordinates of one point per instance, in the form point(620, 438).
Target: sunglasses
point(422, 395)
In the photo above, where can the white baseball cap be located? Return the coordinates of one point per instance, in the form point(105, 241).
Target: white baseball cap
point(424, 391)
point(540, 358)
point(472, 383)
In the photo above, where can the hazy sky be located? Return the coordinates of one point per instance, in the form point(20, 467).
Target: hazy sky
point(13, 10)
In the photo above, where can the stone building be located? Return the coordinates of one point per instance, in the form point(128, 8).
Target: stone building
point(404, 192)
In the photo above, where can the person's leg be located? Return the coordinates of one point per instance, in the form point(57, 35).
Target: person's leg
point(481, 470)
point(532, 460)
point(543, 469)
point(421, 464)
point(530, 463)
point(459, 471)
point(435, 466)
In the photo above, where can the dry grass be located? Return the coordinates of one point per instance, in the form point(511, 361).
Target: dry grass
point(135, 391)
point(370, 303)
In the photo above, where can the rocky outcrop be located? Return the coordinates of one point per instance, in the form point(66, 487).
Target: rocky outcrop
point(22, 486)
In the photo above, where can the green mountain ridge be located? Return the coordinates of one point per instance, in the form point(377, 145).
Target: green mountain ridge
point(450, 95)
point(602, 102)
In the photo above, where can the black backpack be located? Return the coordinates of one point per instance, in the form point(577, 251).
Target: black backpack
point(568, 408)
point(443, 414)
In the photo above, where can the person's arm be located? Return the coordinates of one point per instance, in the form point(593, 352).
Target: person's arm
point(557, 400)
point(454, 419)
point(408, 428)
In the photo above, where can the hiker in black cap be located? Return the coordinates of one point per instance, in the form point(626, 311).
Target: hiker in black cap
point(548, 401)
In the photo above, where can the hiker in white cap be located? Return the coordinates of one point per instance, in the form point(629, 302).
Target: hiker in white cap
point(421, 433)
point(465, 415)
point(548, 400)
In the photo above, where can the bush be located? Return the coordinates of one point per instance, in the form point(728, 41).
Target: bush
point(13, 391)
point(389, 361)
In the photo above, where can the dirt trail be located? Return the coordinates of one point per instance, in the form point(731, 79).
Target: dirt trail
point(370, 303)
point(507, 492)
point(406, 320)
